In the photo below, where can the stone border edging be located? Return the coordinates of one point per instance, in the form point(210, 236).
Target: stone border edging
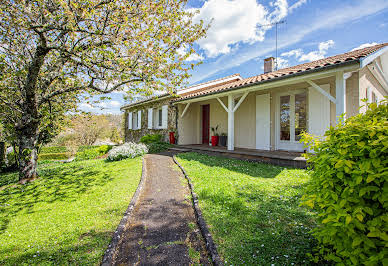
point(210, 245)
point(111, 250)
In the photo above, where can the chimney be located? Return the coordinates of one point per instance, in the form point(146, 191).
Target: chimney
point(269, 65)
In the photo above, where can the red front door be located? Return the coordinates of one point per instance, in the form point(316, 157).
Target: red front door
point(205, 123)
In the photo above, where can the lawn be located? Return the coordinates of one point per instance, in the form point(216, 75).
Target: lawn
point(68, 215)
point(252, 209)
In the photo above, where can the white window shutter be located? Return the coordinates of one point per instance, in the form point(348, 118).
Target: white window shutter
point(150, 118)
point(130, 120)
point(164, 116)
point(139, 119)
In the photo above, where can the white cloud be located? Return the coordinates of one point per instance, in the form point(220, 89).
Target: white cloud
point(281, 10)
point(193, 57)
point(324, 46)
point(114, 103)
point(296, 53)
point(364, 45)
point(297, 4)
point(86, 106)
point(313, 55)
point(235, 21)
point(340, 14)
point(282, 63)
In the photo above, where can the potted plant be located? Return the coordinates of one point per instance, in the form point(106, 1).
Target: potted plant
point(223, 139)
point(215, 136)
point(172, 137)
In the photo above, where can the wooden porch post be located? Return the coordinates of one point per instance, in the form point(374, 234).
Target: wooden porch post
point(340, 94)
point(230, 123)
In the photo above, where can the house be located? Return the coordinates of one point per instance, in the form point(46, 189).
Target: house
point(268, 111)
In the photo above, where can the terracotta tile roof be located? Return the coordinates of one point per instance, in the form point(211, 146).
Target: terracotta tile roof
point(212, 81)
point(201, 86)
point(353, 56)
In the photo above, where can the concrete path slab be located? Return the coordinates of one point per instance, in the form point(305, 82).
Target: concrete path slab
point(162, 228)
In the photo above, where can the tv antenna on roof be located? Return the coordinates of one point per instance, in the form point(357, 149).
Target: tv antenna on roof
point(276, 38)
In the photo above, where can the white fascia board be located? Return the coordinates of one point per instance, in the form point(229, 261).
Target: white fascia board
point(368, 59)
point(194, 88)
point(277, 83)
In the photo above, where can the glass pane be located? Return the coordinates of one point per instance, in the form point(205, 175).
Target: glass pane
point(285, 117)
point(300, 114)
point(160, 117)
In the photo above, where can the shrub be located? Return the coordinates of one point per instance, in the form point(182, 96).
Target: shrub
point(158, 147)
point(349, 189)
point(10, 159)
point(84, 148)
point(53, 149)
point(87, 154)
point(151, 138)
point(103, 149)
point(92, 152)
point(127, 150)
point(53, 156)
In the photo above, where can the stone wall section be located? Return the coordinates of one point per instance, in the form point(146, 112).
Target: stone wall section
point(134, 135)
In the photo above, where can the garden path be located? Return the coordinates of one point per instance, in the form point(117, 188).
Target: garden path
point(162, 228)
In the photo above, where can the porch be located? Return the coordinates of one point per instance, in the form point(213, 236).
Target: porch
point(282, 158)
point(268, 119)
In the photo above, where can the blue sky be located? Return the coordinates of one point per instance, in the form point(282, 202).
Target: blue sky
point(312, 30)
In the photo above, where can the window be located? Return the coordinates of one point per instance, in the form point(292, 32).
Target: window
point(134, 120)
point(160, 117)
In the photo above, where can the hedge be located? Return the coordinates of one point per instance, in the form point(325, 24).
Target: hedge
point(54, 156)
point(349, 189)
point(53, 149)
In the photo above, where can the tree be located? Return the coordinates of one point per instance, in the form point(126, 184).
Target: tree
point(53, 51)
point(87, 128)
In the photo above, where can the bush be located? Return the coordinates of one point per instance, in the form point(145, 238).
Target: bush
point(10, 159)
point(53, 149)
point(103, 149)
point(158, 147)
point(127, 150)
point(84, 148)
point(151, 138)
point(87, 154)
point(349, 189)
point(53, 156)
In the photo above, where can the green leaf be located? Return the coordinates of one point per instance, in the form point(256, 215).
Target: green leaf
point(348, 219)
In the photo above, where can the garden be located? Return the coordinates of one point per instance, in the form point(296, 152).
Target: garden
point(68, 215)
point(252, 209)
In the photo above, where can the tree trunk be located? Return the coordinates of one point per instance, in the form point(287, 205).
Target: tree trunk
point(2, 153)
point(28, 153)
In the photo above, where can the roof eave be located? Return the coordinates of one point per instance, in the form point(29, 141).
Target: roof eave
point(370, 58)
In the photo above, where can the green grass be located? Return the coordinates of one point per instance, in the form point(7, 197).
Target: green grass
point(252, 209)
point(68, 215)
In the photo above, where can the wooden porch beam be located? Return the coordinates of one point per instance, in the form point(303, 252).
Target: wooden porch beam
point(240, 101)
point(230, 123)
point(322, 91)
point(185, 110)
point(222, 104)
point(340, 94)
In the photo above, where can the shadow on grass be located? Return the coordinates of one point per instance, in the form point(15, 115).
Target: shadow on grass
point(82, 253)
point(254, 221)
point(60, 183)
point(254, 169)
